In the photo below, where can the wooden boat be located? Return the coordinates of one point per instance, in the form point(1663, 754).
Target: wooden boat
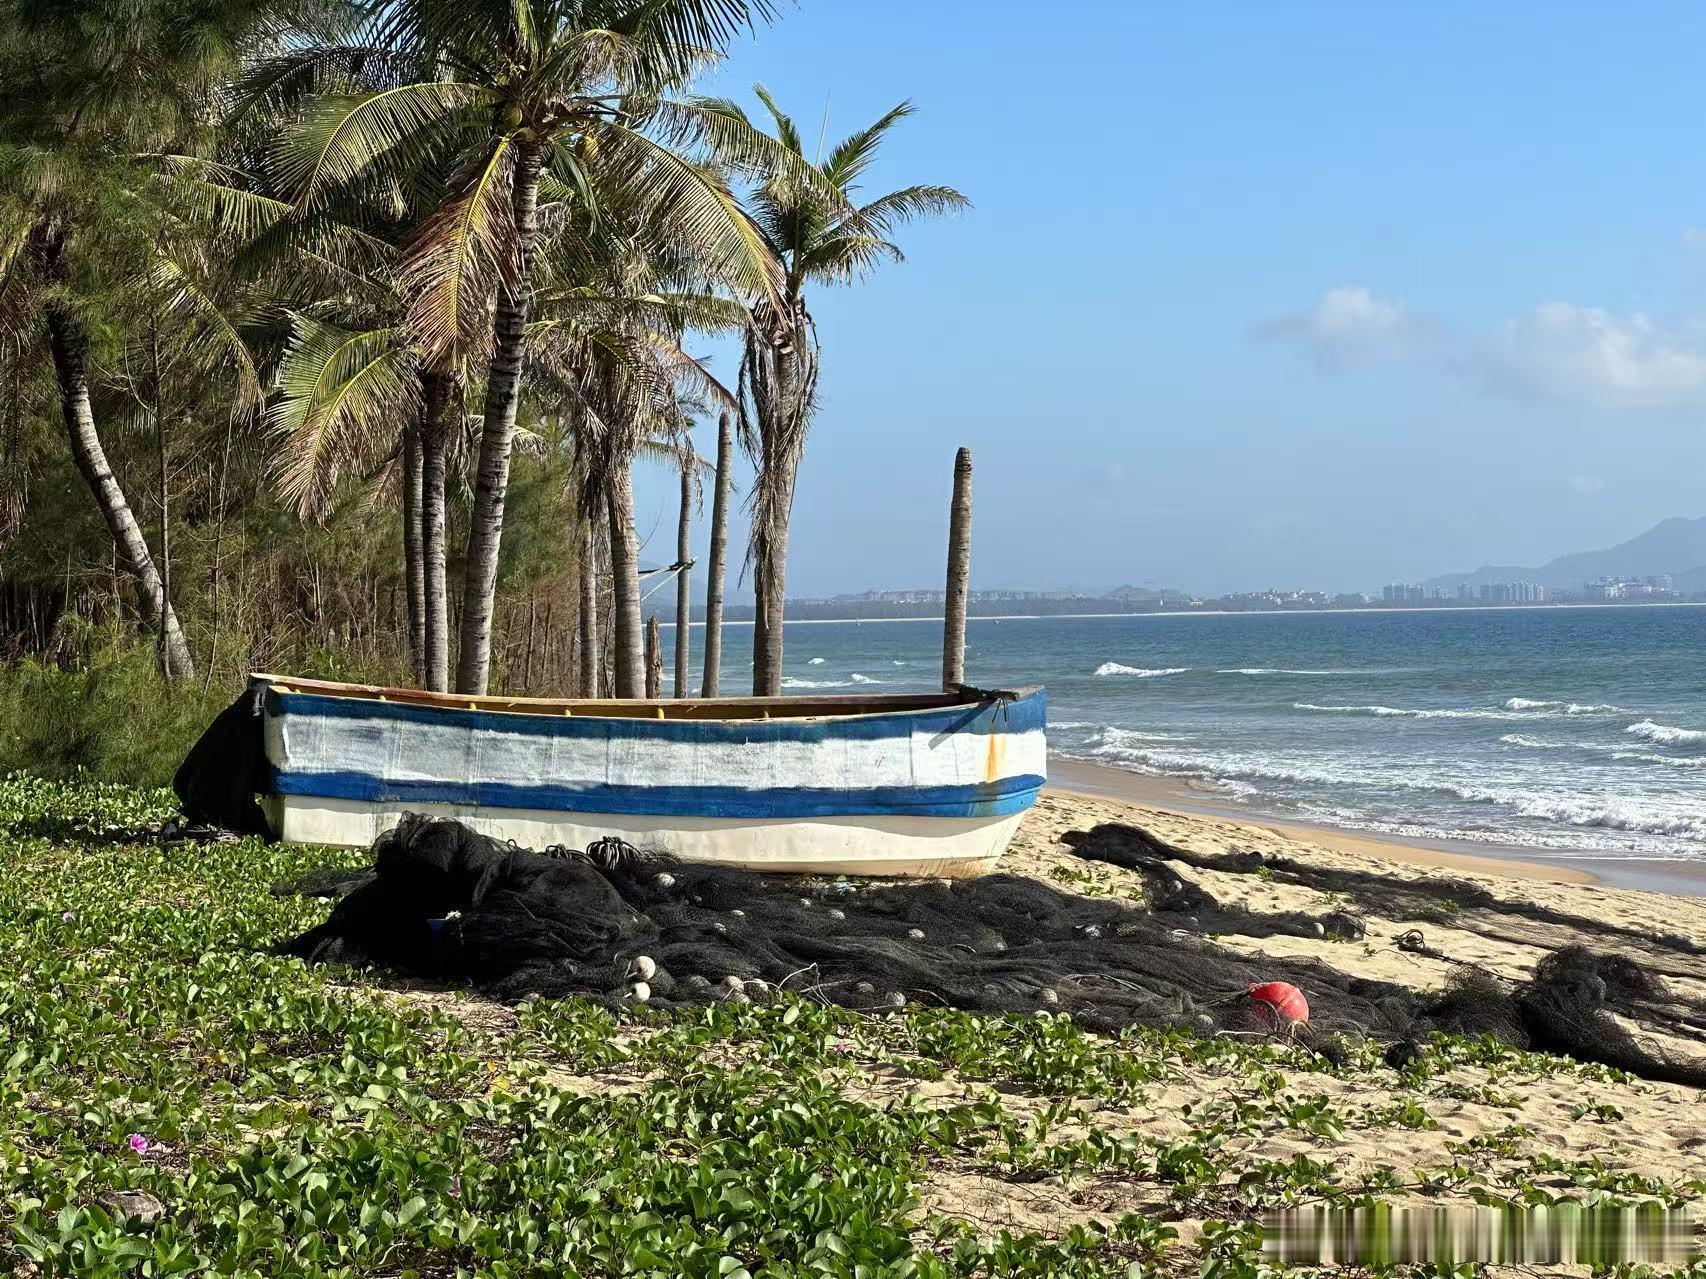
point(912, 784)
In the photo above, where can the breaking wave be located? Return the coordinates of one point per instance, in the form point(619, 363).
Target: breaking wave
point(1533, 743)
point(1665, 735)
point(1670, 761)
point(1600, 812)
point(1248, 775)
point(1568, 708)
point(1139, 672)
point(1401, 712)
point(816, 661)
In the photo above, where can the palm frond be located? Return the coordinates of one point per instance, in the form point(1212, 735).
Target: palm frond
point(693, 204)
point(341, 398)
point(853, 154)
point(882, 216)
point(348, 137)
point(457, 259)
point(201, 327)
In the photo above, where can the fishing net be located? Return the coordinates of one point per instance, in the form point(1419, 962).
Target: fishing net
point(218, 780)
point(445, 903)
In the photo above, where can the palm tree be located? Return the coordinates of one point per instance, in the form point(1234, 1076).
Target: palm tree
point(821, 235)
point(91, 98)
point(541, 106)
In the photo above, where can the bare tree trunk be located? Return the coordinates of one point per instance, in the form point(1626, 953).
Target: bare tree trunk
point(497, 438)
point(441, 397)
point(589, 631)
point(654, 659)
point(627, 655)
point(414, 563)
point(684, 580)
point(719, 550)
point(527, 685)
point(218, 547)
point(959, 574)
point(70, 369)
point(165, 496)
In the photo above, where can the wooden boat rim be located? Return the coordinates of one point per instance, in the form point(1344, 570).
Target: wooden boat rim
point(842, 706)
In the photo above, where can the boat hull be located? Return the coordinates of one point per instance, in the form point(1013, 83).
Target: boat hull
point(931, 790)
point(900, 846)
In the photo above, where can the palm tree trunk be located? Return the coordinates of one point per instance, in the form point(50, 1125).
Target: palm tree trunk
point(414, 564)
point(628, 658)
point(68, 347)
point(719, 549)
point(684, 579)
point(497, 438)
point(589, 630)
point(759, 619)
point(781, 466)
point(959, 575)
point(775, 588)
point(441, 394)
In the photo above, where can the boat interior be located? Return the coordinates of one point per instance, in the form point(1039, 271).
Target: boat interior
point(718, 708)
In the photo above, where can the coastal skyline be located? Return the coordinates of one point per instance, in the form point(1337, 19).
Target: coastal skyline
point(1667, 560)
point(1360, 296)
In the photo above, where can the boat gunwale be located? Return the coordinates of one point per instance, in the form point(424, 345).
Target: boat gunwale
point(845, 706)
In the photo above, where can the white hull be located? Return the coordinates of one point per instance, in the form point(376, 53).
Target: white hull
point(899, 845)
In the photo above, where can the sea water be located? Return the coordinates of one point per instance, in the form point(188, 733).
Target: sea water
point(1576, 730)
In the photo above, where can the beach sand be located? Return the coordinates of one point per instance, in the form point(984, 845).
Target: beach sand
point(1473, 1130)
point(1484, 1120)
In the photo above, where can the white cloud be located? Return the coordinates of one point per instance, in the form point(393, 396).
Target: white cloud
point(1586, 485)
point(1350, 327)
point(1576, 354)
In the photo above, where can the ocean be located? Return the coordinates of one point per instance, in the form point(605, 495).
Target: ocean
point(1573, 732)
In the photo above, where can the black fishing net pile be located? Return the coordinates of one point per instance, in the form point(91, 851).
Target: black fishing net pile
point(444, 903)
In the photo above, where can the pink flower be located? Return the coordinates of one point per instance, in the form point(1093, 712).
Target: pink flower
point(844, 1048)
point(139, 1143)
point(456, 1187)
point(67, 917)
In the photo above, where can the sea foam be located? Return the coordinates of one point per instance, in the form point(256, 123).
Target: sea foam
point(1665, 735)
point(1139, 672)
point(1403, 712)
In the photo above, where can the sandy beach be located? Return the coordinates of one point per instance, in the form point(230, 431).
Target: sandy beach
point(1500, 1126)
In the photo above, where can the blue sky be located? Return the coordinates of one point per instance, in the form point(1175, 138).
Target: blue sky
point(1312, 295)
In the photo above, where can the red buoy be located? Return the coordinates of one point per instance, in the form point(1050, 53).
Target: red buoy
point(1281, 1002)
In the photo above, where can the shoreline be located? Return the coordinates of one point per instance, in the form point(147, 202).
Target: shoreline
point(1178, 797)
point(1209, 612)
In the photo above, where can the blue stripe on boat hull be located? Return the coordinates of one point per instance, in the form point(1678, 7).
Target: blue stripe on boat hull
point(1005, 716)
point(997, 799)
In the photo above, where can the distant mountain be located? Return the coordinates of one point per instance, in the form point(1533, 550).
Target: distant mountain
point(1676, 546)
point(1144, 594)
